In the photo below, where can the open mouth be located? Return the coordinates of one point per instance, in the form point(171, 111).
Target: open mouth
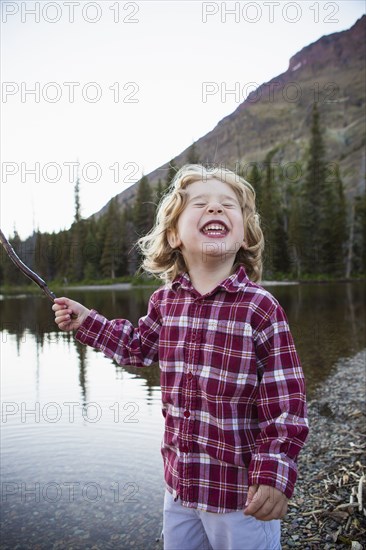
point(214, 229)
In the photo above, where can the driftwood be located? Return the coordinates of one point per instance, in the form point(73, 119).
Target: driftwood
point(24, 268)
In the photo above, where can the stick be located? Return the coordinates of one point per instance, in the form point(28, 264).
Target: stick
point(24, 268)
point(359, 493)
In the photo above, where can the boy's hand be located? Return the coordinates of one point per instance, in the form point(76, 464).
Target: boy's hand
point(265, 503)
point(69, 315)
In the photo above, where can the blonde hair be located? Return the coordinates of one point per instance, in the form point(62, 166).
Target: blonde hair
point(165, 262)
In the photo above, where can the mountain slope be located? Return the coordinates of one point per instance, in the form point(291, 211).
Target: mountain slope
point(276, 117)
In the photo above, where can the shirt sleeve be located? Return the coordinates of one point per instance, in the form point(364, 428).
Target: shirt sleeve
point(281, 406)
point(120, 340)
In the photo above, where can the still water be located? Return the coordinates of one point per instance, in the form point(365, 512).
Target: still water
point(80, 436)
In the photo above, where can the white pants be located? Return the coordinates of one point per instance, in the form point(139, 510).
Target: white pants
point(190, 529)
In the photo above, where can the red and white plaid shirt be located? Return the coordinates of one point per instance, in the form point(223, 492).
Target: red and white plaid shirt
point(232, 387)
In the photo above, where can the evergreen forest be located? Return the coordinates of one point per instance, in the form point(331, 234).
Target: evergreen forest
point(313, 228)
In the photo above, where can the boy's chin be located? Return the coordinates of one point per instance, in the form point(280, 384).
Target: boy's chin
point(220, 247)
point(217, 257)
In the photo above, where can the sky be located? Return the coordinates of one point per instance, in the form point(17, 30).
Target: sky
point(111, 90)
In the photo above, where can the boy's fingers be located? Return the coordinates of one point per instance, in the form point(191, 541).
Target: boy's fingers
point(61, 300)
point(267, 504)
point(63, 310)
point(255, 499)
point(63, 319)
point(263, 511)
point(60, 303)
point(273, 512)
point(251, 492)
point(253, 507)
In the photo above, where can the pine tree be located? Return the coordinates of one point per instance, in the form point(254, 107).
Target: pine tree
point(359, 240)
point(356, 246)
point(295, 233)
point(144, 208)
point(77, 216)
point(132, 257)
point(11, 274)
point(143, 216)
point(77, 234)
point(315, 195)
point(111, 258)
point(255, 179)
point(92, 251)
point(64, 256)
point(269, 214)
point(40, 255)
point(280, 250)
point(52, 256)
point(77, 238)
point(334, 227)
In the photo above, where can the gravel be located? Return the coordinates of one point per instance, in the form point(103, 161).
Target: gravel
point(328, 508)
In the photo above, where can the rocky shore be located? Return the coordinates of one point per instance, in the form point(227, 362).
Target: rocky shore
point(328, 508)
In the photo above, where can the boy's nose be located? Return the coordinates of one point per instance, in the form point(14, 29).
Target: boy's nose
point(215, 208)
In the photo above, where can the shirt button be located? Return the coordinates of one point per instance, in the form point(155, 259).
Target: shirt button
point(187, 414)
point(189, 376)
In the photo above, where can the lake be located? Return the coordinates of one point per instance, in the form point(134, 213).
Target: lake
point(80, 436)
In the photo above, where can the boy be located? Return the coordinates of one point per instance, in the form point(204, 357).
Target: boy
point(233, 393)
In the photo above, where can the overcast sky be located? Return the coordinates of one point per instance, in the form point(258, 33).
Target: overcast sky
point(123, 87)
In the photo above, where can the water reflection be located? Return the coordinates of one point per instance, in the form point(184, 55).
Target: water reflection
point(327, 321)
point(24, 315)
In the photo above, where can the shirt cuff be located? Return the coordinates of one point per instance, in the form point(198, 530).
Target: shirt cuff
point(89, 330)
point(277, 471)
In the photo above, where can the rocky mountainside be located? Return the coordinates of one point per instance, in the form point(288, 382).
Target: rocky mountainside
point(276, 117)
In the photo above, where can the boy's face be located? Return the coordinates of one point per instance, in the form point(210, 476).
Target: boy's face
point(211, 224)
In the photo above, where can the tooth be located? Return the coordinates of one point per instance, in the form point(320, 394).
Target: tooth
point(215, 227)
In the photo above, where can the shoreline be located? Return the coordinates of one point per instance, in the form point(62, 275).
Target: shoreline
point(23, 291)
point(328, 508)
point(129, 286)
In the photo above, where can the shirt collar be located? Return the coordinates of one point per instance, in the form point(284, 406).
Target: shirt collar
point(235, 282)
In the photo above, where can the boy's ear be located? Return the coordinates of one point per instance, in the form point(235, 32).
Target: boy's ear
point(173, 238)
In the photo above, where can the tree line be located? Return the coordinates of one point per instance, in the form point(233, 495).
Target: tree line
point(311, 228)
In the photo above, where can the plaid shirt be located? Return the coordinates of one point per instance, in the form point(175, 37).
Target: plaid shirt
point(232, 387)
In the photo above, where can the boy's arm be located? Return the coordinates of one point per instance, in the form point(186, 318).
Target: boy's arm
point(118, 339)
point(281, 407)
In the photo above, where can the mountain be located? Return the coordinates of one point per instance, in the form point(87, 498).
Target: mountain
point(276, 117)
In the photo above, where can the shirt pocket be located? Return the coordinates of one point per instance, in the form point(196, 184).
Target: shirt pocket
point(228, 358)
point(228, 341)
